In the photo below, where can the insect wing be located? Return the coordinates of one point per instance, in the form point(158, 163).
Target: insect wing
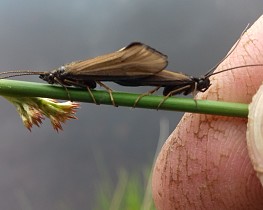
point(163, 78)
point(134, 61)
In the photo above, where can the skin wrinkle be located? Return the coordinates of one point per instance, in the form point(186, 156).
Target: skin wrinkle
point(213, 180)
point(249, 180)
point(253, 195)
point(213, 94)
point(207, 177)
point(228, 164)
point(164, 167)
point(181, 180)
point(189, 178)
point(194, 168)
point(228, 83)
point(215, 162)
point(195, 128)
point(202, 121)
point(245, 165)
point(202, 124)
point(201, 134)
point(173, 182)
point(224, 144)
point(247, 47)
point(188, 200)
point(187, 160)
point(232, 156)
point(250, 88)
point(234, 143)
point(203, 201)
point(239, 59)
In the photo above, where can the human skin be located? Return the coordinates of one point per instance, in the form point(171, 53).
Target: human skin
point(204, 164)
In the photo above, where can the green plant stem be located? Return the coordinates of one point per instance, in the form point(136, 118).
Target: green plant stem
point(30, 89)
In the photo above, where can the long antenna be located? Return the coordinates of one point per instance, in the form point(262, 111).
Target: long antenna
point(210, 72)
point(236, 67)
point(20, 73)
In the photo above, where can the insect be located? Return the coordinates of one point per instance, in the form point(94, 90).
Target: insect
point(135, 61)
point(175, 83)
point(179, 83)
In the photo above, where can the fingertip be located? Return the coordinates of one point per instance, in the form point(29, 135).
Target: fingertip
point(239, 85)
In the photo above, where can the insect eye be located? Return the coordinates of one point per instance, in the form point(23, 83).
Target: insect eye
point(48, 78)
point(203, 84)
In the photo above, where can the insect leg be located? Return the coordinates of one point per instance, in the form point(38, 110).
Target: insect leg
point(77, 84)
point(195, 90)
point(146, 94)
point(109, 91)
point(173, 92)
point(92, 96)
point(59, 82)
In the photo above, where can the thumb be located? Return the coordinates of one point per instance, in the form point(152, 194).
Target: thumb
point(205, 164)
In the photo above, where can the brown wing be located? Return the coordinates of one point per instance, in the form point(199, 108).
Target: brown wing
point(135, 60)
point(163, 78)
point(167, 77)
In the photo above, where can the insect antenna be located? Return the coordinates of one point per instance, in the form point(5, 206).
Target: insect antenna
point(19, 73)
point(210, 71)
point(28, 72)
point(236, 67)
